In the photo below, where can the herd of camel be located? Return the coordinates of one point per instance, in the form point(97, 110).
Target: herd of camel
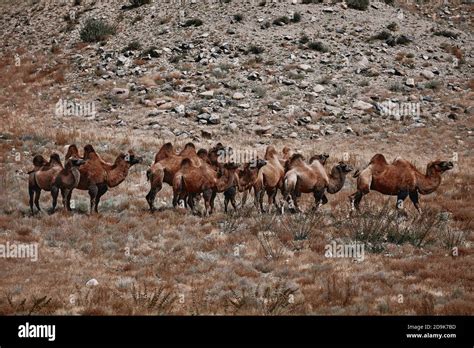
point(194, 174)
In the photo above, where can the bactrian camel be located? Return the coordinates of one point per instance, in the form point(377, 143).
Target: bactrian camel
point(400, 178)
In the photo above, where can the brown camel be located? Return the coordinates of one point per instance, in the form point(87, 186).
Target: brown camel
point(400, 178)
point(97, 176)
point(269, 179)
point(166, 164)
point(312, 178)
point(246, 176)
point(88, 149)
point(68, 179)
point(192, 180)
point(43, 179)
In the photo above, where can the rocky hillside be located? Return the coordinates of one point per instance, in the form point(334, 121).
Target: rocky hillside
point(280, 70)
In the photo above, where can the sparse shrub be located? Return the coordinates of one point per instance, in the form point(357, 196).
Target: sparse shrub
point(389, 2)
point(135, 45)
point(265, 25)
point(446, 33)
point(435, 85)
point(304, 39)
point(392, 26)
point(195, 22)
point(256, 49)
point(138, 3)
point(306, 2)
point(259, 91)
point(281, 20)
point(383, 35)
point(397, 87)
point(137, 19)
point(238, 17)
point(318, 46)
point(296, 17)
point(361, 5)
point(96, 30)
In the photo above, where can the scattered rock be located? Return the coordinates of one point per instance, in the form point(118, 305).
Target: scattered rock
point(92, 282)
point(362, 105)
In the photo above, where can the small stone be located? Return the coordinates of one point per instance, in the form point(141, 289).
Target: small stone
point(410, 82)
point(304, 67)
point(92, 282)
point(238, 96)
point(362, 105)
point(318, 88)
point(214, 119)
point(121, 93)
point(293, 135)
point(180, 109)
point(207, 94)
point(427, 74)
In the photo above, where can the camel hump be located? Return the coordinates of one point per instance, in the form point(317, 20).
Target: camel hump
point(294, 159)
point(186, 162)
point(270, 152)
point(39, 161)
point(378, 159)
point(165, 151)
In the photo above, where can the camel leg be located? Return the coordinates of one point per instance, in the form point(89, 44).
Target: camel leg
point(400, 199)
point(244, 198)
point(68, 200)
point(54, 194)
point(64, 194)
point(102, 189)
point(207, 195)
point(318, 197)
point(414, 199)
point(93, 194)
point(37, 197)
point(150, 197)
point(233, 202)
point(31, 192)
point(355, 199)
point(213, 197)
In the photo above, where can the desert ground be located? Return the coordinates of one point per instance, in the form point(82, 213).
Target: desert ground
point(314, 76)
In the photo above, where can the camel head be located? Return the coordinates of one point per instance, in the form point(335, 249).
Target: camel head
point(439, 166)
point(39, 161)
point(88, 149)
point(321, 158)
point(72, 150)
point(54, 158)
point(295, 158)
point(76, 162)
point(132, 159)
point(343, 167)
point(259, 163)
point(287, 152)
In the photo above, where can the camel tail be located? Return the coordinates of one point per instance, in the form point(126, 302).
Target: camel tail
point(356, 174)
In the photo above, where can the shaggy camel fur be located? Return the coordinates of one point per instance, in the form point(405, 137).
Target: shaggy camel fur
point(245, 178)
point(166, 164)
point(400, 178)
point(43, 179)
point(191, 180)
point(97, 176)
point(68, 179)
point(312, 178)
point(269, 179)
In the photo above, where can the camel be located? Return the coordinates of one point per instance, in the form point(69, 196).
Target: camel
point(165, 166)
point(43, 179)
point(192, 180)
point(97, 176)
point(88, 149)
point(245, 181)
point(68, 179)
point(312, 178)
point(400, 178)
point(269, 178)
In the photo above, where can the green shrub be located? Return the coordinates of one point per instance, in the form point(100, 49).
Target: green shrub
point(255, 49)
point(96, 30)
point(296, 17)
point(195, 22)
point(238, 17)
point(281, 20)
point(361, 5)
point(138, 3)
point(318, 46)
